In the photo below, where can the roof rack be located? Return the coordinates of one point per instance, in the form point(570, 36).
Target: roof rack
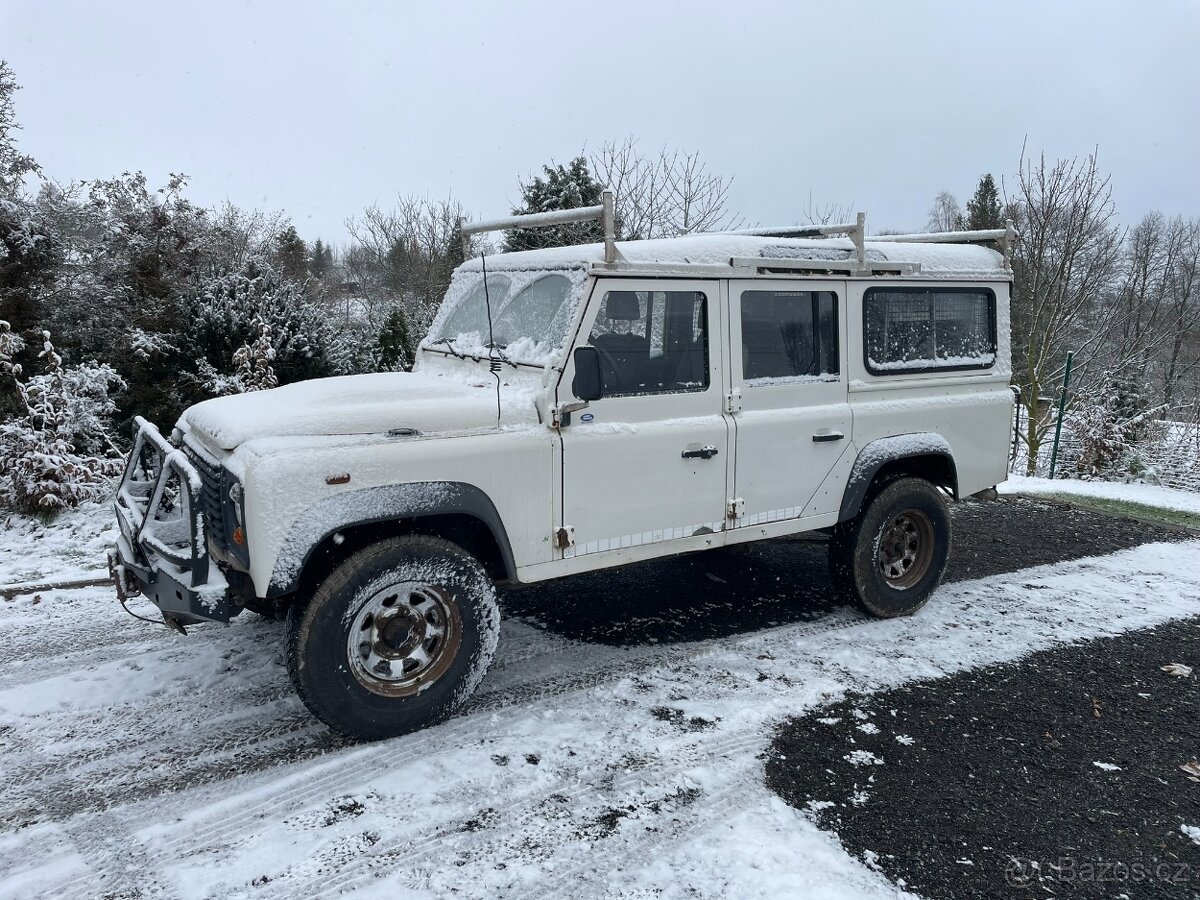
point(604, 212)
point(856, 233)
point(1005, 236)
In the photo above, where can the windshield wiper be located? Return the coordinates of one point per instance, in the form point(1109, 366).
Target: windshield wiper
point(451, 348)
point(497, 349)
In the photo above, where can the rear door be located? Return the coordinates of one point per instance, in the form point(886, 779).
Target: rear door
point(793, 428)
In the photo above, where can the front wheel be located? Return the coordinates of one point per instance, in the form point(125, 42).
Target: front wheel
point(892, 556)
point(395, 639)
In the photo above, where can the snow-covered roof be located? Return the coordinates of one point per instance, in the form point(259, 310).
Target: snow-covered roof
point(939, 260)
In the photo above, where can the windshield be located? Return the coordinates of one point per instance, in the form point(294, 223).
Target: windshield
point(529, 311)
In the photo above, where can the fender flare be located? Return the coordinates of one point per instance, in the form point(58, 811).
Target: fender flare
point(878, 453)
point(387, 503)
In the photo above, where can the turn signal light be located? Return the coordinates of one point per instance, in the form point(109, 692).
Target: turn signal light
point(239, 536)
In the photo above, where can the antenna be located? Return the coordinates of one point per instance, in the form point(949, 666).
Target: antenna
point(493, 361)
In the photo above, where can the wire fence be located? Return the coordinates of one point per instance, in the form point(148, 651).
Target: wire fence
point(1169, 455)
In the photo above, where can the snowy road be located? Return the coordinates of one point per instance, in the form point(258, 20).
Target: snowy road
point(134, 762)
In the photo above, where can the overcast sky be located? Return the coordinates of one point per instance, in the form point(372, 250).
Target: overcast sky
point(320, 109)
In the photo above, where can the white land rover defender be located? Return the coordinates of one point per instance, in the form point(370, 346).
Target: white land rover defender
point(577, 408)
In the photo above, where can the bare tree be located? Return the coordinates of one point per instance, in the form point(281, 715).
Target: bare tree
point(1064, 267)
point(666, 195)
point(1180, 358)
point(827, 213)
point(945, 214)
point(406, 255)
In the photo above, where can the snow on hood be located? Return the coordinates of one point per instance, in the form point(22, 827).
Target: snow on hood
point(346, 405)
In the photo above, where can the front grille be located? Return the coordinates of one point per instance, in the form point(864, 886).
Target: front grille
point(211, 503)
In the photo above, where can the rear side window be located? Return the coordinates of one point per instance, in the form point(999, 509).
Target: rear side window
point(921, 329)
point(789, 335)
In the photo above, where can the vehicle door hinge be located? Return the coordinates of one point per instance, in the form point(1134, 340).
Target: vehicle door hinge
point(560, 416)
point(735, 508)
point(733, 401)
point(564, 537)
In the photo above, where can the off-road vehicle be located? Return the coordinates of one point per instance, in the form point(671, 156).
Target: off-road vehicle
point(576, 408)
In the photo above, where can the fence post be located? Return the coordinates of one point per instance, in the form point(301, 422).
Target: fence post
point(1062, 403)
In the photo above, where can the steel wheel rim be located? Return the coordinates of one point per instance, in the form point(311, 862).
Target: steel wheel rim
point(904, 550)
point(403, 639)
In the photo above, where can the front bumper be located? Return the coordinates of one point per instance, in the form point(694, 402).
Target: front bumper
point(162, 550)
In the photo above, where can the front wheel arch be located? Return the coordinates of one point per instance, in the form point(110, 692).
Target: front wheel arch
point(333, 529)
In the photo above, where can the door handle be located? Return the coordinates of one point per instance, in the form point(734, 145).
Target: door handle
point(695, 451)
point(824, 437)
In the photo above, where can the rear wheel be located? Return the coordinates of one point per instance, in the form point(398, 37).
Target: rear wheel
point(395, 639)
point(893, 555)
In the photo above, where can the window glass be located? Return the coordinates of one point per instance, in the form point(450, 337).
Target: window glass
point(789, 335)
point(652, 342)
point(531, 313)
point(917, 329)
point(470, 316)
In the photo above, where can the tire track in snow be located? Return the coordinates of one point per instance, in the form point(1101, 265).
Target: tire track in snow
point(415, 851)
point(344, 775)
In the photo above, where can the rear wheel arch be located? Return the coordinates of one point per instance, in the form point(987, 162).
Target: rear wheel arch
point(924, 455)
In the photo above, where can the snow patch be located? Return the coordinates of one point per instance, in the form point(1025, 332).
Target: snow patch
point(862, 758)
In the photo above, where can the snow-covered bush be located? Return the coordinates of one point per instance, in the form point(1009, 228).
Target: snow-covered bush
point(57, 452)
point(252, 311)
point(255, 371)
point(1109, 430)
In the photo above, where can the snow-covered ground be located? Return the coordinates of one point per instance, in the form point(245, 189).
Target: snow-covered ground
point(1148, 494)
point(72, 547)
point(134, 761)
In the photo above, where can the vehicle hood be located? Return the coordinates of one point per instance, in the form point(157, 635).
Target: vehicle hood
point(346, 405)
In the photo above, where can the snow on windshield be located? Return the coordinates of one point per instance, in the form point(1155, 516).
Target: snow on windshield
point(530, 313)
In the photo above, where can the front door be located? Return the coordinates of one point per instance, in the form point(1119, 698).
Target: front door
point(647, 462)
point(793, 427)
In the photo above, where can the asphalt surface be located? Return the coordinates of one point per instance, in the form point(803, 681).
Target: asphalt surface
point(986, 784)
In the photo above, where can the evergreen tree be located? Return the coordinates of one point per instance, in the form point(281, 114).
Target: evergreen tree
point(569, 187)
point(395, 344)
point(291, 254)
point(321, 261)
point(983, 209)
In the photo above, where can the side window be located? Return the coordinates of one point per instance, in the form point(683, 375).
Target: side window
point(652, 342)
point(789, 335)
point(921, 329)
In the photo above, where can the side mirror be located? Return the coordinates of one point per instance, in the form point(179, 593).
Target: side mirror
point(588, 383)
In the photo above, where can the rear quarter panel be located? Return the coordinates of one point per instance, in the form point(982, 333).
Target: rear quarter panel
point(971, 409)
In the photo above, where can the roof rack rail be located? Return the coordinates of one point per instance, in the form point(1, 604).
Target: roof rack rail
point(1005, 236)
point(856, 232)
point(604, 212)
